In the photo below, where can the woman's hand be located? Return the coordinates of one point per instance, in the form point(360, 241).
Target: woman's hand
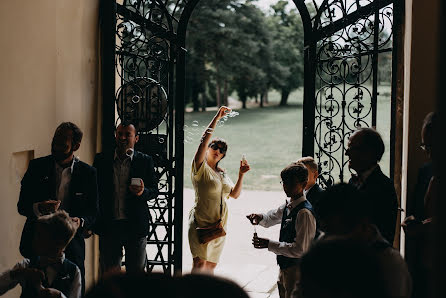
point(244, 167)
point(222, 111)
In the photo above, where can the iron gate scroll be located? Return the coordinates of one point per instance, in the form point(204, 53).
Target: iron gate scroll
point(143, 72)
point(352, 49)
point(139, 37)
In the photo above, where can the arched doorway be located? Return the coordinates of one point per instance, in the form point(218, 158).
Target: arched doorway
point(144, 80)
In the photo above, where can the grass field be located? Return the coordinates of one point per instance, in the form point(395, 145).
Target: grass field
point(270, 137)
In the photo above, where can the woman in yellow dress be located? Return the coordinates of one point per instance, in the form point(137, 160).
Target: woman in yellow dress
point(212, 187)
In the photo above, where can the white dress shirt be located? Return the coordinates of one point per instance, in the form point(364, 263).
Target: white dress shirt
point(63, 179)
point(305, 229)
point(7, 283)
point(121, 175)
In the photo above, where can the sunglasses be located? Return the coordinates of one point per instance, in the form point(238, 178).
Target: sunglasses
point(216, 147)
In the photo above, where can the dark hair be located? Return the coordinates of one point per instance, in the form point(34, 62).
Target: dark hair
point(295, 171)
point(126, 123)
point(221, 142)
point(59, 225)
point(77, 132)
point(120, 285)
point(341, 268)
point(345, 202)
point(372, 140)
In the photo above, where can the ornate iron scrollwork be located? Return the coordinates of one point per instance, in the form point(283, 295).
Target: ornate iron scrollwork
point(346, 74)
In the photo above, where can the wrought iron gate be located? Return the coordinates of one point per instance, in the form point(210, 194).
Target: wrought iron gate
point(139, 51)
point(345, 49)
point(143, 73)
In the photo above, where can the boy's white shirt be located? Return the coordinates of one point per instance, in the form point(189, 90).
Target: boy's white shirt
point(305, 229)
point(6, 283)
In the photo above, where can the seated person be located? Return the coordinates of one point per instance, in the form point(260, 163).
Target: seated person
point(345, 214)
point(50, 274)
point(297, 230)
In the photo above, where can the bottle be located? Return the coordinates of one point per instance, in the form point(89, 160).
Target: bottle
point(255, 232)
point(243, 159)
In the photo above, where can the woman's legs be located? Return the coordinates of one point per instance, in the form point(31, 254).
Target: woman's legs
point(210, 267)
point(198, 265)
point(203, 266)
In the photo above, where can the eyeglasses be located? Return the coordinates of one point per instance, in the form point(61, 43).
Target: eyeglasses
point(216, 147)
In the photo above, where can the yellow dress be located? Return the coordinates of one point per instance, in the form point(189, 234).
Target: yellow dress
point(210, 188)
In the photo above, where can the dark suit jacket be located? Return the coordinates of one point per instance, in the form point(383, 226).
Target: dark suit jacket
point(415, 206)
point(313, 196)
point(39, 184)
point(137, 211)
point(383, 203)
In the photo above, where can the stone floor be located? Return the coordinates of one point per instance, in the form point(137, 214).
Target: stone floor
point(254, 270)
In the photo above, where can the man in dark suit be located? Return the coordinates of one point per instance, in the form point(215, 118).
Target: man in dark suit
point(126, 183)
point(365, 149)
point(312, 190)
point(60, 181)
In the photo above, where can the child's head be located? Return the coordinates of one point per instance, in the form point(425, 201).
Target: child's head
point(52, 233)
point(312, 168)
point(294, 179)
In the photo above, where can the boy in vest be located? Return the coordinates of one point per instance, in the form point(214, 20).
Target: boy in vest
point(297, 230)
point(50, 274)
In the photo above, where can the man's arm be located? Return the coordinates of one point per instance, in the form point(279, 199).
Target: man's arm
point(76, 286)
point(10, 278)
point(92, 210)
point(305, 231)
point(150, 181)
point(25, 203)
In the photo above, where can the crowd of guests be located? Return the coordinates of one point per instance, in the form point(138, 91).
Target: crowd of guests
point(337, 242)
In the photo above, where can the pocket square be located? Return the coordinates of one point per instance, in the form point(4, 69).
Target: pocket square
point(79, 193)
point(66, 277)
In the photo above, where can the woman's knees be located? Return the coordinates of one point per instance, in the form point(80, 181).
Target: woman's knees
point(203, 266)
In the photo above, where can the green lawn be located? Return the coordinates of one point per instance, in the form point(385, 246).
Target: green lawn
point(270, 137)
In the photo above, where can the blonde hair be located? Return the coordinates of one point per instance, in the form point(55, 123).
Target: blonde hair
point(309, 162)
point(59, 226)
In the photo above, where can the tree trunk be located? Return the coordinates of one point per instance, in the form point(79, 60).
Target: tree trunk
point(243, 98)
point(218, 92)
point(195, 99)
point(203, 102)
point(257, 98)
point(284, 99)
point(225, 96)
point(266, 97)
point(262, 98)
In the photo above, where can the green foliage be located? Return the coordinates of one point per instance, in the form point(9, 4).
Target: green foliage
point(233, 45)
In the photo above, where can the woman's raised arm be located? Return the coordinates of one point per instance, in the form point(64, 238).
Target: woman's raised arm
point(207, 134)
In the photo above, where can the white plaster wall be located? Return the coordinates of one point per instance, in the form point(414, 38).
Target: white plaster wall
point(48, 74)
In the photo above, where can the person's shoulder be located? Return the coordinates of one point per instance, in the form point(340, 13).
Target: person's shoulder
point(378, 177)
point(318, 188)
point(44, 160)
point(85, 166)
point(141, 155)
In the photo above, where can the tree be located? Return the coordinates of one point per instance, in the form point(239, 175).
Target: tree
point(288, 49)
